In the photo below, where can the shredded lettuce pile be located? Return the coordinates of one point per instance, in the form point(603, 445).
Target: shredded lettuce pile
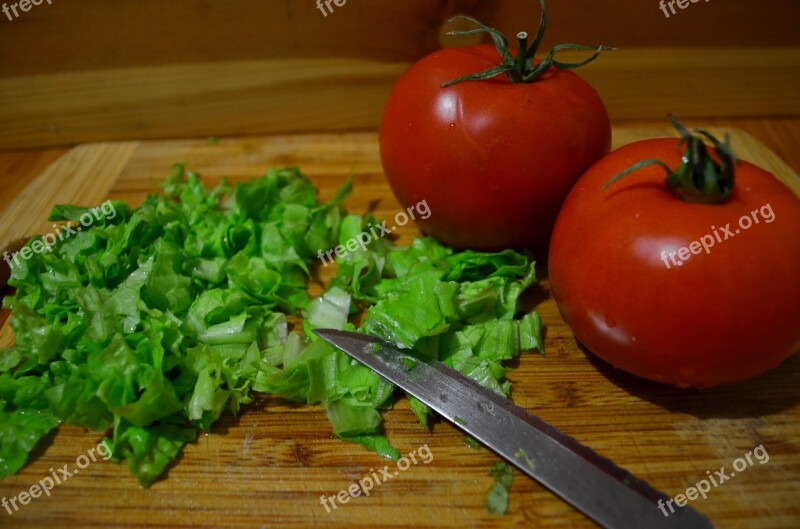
point(153, 322)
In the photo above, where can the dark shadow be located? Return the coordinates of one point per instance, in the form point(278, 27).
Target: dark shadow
point(772, 392)
point(633, 186)
point(534, 296)
point(5, 313)
point(40, 448)
point(223, 425)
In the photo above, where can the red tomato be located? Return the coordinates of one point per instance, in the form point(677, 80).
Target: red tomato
point(720, 311)
point(493, 159)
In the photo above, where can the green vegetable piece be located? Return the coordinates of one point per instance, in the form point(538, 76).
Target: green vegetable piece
point(471, 442)
point(528, 461)
point(20, 431)
point(409, 363)
point(497, 499)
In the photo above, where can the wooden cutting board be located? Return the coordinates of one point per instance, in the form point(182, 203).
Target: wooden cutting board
point(268, 467)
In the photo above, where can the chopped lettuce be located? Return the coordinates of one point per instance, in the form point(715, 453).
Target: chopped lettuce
point(158, 319)
point(20, 431)
point(497, 499)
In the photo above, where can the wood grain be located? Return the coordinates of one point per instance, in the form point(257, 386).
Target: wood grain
point(780, 135)
point(291, 95)
point(100, 70)
point(269, 467)
point(112, 34)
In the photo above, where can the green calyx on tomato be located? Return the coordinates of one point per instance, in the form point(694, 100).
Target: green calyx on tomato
point(699, 178)
point(522, 68)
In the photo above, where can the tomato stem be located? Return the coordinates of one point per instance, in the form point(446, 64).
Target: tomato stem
point(699, 178)
point(522, 68)
point(522, 52)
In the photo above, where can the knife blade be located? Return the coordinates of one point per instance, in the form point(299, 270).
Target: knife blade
point(606, 493)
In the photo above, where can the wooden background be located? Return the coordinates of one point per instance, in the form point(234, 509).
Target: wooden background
point(92, 70)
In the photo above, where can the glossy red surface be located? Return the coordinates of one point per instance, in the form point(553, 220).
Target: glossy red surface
point(493, 159)
point(726, 313)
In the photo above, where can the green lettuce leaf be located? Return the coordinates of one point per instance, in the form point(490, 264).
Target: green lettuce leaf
point(497, 499)
point(20, 431)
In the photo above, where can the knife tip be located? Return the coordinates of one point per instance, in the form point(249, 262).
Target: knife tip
point(322, 333)
point(343, 339)
point(330, 335)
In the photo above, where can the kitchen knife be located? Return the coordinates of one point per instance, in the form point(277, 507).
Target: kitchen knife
point(606, 493)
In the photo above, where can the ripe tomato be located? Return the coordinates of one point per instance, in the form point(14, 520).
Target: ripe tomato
point(711, 314)
point(494, 159)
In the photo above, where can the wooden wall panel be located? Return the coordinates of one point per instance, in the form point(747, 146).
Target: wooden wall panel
point(108, 34)
point(640, 23)
point(114, 69)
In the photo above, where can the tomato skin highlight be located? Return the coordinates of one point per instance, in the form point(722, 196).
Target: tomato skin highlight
point(493, 159)
point(722, 316)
